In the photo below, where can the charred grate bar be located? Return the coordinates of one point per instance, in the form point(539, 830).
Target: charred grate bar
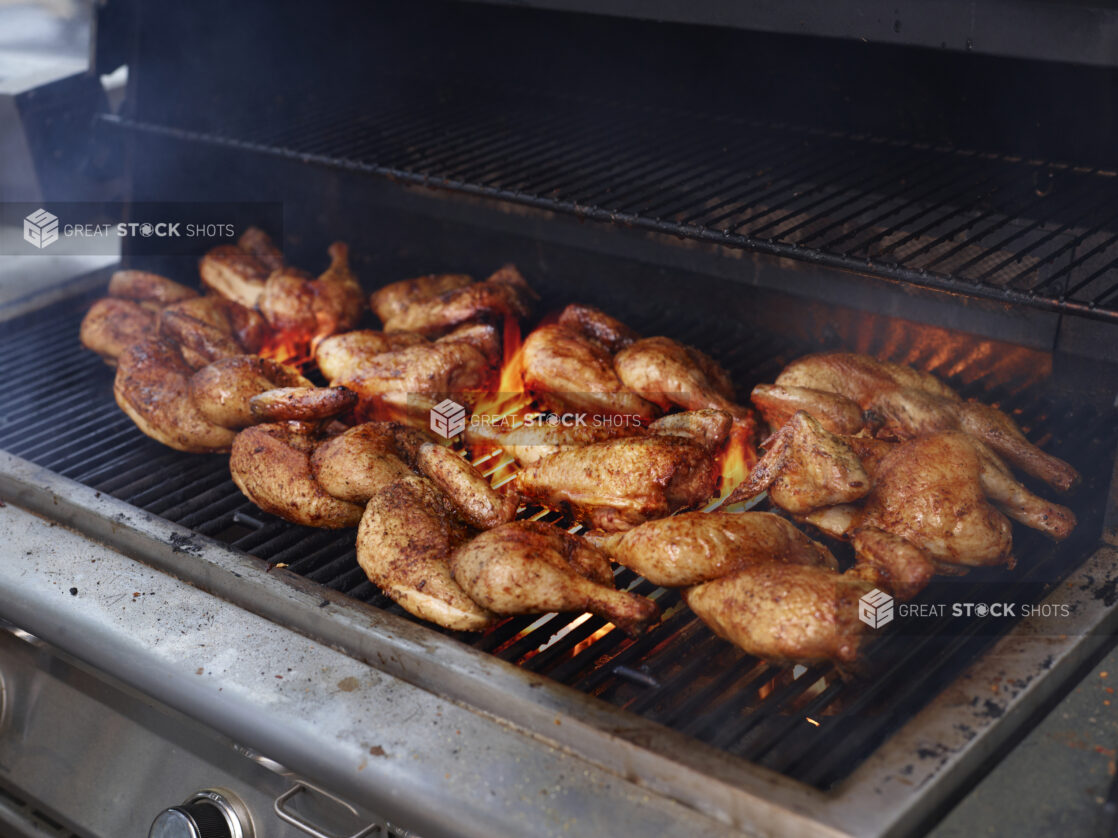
point(1026, 231)
point(809, 723)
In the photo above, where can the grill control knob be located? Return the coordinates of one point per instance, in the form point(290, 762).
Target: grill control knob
point(207, 814)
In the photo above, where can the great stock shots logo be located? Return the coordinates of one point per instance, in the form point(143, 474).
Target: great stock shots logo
point(875, 609)
point(40, 228)
point(448, 418)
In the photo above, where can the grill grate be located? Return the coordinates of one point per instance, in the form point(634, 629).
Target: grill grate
point(1029, 231)
point(679, 674)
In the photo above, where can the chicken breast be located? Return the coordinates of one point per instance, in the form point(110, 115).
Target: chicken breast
point(111, 326)
point(141, 286)
point(360, 462)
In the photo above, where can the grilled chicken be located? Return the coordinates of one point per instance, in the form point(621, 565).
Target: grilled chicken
point(504, 294)
point(201, 342)
point(152, 386)
point(619, 483)
point(695, 547)
point(358, 463)
point(530, 567)
point(395, 299)
point(902, 403)
point(805, 467)
point(260, 246)
point(271, 464)
point(707, 428)
point(668, 373)
point(480, 505)
point(599, 326)
point(780, 611)
point(244, 325)
point(287, 302)
point(222, 390)
point(910, 509)
point(405, 383)
point(404, 541)
point(301, 404)
point(529, 444)
point(235, 273)
point(111, 326)
point(144, 287)
point(293, 302)
point(346, 354)
point(568, 372)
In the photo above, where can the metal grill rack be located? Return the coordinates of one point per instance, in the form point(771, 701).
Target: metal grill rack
point(814, 724)
point(1037, 232)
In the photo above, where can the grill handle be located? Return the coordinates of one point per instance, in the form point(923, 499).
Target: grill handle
point(288, 815)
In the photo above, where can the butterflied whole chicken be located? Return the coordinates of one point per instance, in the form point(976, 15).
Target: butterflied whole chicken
point(504, 294)
point(694, 547)
point(404, 542)
point(530, 567)
point(619, 483)
point(785, 612)
point(844, 390)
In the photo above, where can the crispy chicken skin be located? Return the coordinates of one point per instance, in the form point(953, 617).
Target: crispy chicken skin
point(619, 483)
point(346, 354)
point(480, 505)
point(406, 536)
point(695, 547)
point(222, 390)
point(504, 294)
point(244, 325)
point(111, 326)
point(567, 371)
point(358, 463)
point(395, 298)
point(785, 612)
point(271, 464)
point(707, 428)
point(152, 386)
point(599, 326)
point(259, 245)
point(531, 567)
point(141, 286)
point(201, 342)
point(899, 403)
point(287, 301)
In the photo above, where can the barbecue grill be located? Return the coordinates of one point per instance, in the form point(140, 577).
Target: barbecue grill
point(760, 222)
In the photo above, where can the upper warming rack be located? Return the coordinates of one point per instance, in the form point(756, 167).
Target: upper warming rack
point(1027, 231)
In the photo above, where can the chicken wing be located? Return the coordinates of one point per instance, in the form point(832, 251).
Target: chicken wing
point(619, 483)
point(529, 567)
point(695, 547)
point(271, 464)
point(785, 612)
point(480, 505)
point(568, 372)
point(403, 544)
point(222, 390)
point(504, 294)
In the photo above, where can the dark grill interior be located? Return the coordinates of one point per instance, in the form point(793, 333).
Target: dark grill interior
point(995, 225)
point(61, 414)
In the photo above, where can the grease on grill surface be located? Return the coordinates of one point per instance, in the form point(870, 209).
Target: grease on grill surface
point(803, 721)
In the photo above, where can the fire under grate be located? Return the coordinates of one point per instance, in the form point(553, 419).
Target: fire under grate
point(810, 723)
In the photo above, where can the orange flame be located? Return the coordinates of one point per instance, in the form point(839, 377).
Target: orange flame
point(509, 397)
point(738, 458)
